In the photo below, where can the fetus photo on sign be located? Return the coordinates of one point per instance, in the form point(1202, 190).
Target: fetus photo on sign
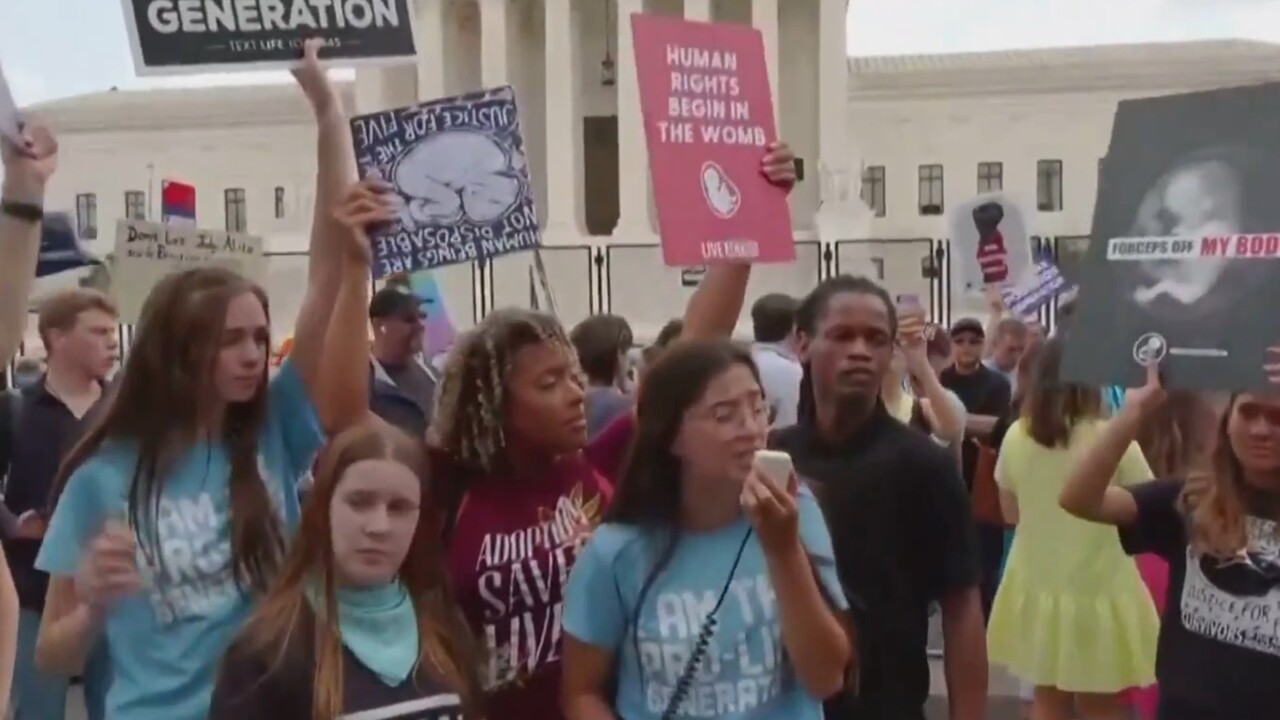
point(1185, 243)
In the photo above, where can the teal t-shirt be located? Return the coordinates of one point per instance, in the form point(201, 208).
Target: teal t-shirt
point(746, 674)
point(165, 643)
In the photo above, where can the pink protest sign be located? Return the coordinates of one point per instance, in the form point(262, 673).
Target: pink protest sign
point(708, 119)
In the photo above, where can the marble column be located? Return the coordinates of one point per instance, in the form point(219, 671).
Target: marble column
point(495, 61)
point(764, 17)
point(562, 134)
point(374, 90)
point(430, 20)
point(700, 10)
point(633, 157)
point(841, 214)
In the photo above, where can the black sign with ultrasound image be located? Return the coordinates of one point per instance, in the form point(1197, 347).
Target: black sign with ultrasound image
point(1193, 177)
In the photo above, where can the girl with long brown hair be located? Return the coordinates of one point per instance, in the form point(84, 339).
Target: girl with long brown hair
point(172, 512)
point(521, 485)
point(1219, 530)
point(361, 619)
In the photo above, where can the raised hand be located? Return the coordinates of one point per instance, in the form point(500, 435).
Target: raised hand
point(368, 203)
point(995, 301)
point(1272, 366)
point(1148, 397)
point(779, 165)
point(109, 570)
point(28, 167)
point(314, 80)
point(912, 340)
point(772, 510)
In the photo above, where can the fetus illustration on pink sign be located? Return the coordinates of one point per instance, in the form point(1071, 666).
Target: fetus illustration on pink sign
point(708, 118)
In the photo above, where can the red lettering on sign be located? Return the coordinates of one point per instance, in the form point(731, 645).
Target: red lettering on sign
point(1257, 245)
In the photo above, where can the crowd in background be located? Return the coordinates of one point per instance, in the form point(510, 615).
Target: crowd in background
point(534, 531)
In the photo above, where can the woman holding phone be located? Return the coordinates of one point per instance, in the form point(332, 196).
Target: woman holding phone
point(700, 512)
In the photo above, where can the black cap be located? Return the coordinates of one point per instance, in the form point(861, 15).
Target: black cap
point(968, 325)
point(390, 302)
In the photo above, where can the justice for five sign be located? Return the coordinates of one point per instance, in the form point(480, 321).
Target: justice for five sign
point(1252, 246)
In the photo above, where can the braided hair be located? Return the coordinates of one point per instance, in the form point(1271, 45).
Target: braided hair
point(810, 312)
point(470, 419)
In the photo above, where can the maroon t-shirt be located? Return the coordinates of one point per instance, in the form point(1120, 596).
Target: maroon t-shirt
point(513, 544)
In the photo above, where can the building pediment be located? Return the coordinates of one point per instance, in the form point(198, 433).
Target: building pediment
point(1130, 68)
point(184, 108)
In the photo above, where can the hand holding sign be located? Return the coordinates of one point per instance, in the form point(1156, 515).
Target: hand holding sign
point(1150, 396)
point(780, 166)
point(367, 204)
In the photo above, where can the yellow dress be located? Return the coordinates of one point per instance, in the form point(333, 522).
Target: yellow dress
point(1072, 611)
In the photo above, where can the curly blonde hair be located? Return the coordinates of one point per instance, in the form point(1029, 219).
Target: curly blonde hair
point(470, 418)
point(1212, 499)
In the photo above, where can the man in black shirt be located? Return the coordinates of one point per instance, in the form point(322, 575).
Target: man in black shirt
point(37, 427)
point(899, 516)
point(986, 395)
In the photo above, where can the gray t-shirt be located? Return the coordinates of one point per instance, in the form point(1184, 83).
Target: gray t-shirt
point(416, 384)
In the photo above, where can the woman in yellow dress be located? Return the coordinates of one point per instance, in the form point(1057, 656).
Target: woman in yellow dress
point(1072, 616)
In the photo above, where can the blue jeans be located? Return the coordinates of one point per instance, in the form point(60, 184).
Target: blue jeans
point(38, 695)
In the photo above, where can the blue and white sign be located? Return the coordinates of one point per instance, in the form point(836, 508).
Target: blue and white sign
point(1026, 296)
point(460, 177)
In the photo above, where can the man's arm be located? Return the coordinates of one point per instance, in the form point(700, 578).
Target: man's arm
point(948, 523)
point(995, 404)
point(27, 171)
point(965, 658)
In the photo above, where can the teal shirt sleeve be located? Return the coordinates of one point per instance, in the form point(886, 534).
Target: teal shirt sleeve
point(292, 418)
point(593, 609)
point(817, 542)
point(78, 517)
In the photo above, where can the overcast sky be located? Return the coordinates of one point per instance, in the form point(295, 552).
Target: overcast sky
point(55, 48)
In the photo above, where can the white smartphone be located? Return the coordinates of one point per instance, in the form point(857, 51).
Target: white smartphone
point(777, 465)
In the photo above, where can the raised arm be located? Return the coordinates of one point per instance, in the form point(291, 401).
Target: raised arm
point(335, 171)
point(8, 630)
point(343, 391)
point(715, 306)
point(996, 311)
point(1088, 493)
point(27, 170)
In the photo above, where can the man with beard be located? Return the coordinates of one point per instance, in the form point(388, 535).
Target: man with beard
point(402, 386)
point(899, 515)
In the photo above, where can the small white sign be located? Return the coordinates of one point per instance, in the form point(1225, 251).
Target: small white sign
point(146, 252)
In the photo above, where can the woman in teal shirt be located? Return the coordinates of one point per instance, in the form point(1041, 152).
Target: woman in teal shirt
point(711, 589)
point(172, 512)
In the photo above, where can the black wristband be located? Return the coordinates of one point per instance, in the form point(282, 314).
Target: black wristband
point(22, 210)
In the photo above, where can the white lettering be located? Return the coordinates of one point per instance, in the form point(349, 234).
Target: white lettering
point(251, 16)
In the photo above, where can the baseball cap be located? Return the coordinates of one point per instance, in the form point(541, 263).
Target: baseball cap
point(394, 303)
point(968, 325)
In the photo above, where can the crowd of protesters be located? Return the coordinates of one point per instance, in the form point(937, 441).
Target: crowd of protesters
point(530, 532)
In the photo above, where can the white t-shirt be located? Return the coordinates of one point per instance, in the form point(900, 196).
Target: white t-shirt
point(780, 375)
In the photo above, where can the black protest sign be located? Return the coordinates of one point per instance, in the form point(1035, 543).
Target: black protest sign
point(188, 36)
point(1184, 264)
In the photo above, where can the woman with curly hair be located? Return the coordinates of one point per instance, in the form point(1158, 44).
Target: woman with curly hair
point(1219, 650)
point(521, 485)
